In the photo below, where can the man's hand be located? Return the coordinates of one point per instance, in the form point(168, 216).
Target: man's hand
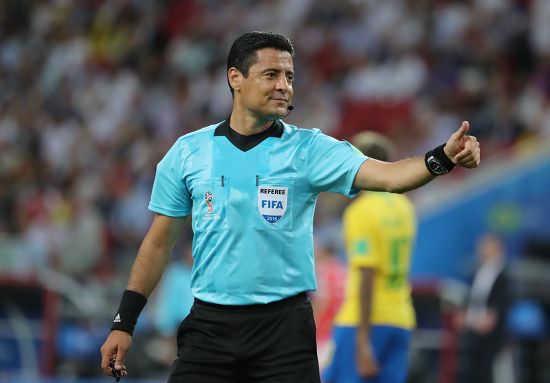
point(366, 361)
point(462, 149)
point(115, 347)
point(487, 322)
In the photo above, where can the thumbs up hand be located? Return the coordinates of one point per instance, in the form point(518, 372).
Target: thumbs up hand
point(463, 149)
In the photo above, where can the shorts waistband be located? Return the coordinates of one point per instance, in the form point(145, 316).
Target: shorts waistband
point(257, 306)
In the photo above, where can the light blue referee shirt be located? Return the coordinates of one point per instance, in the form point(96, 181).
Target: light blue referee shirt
point(252, 211)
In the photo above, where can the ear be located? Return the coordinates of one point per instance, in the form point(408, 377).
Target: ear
point(234, 76)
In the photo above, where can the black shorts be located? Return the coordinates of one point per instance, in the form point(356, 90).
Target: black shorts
point(266, 343)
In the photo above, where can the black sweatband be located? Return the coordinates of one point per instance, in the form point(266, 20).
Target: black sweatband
point(130, 307)
point(444, 162)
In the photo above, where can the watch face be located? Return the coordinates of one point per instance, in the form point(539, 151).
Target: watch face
point(436, 166)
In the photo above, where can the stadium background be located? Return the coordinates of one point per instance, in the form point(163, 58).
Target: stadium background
point(92, 93)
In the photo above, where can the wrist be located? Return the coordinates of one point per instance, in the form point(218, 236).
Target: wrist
point(130, 308)
point(437, 162)
point(446, 152)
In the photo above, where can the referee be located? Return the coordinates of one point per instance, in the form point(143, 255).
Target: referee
point(250, 184)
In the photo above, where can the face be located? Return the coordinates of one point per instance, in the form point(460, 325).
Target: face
point(490, 249)
point(267, 91)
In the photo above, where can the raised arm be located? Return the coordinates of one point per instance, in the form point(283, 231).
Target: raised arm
point(146, 271)
point(401, 176)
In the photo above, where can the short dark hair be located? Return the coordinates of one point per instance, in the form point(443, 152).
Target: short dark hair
point(374, 145)
point(242, 54)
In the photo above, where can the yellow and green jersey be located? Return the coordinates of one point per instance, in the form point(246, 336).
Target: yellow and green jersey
point(379, 231)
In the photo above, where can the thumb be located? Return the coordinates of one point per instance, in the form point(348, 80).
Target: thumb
point(119, 361)
point(461, 132)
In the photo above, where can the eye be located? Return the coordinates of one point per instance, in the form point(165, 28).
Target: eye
point(271, 75)
point(290, 78)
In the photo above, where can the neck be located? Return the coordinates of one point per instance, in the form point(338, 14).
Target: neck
point(247, 124)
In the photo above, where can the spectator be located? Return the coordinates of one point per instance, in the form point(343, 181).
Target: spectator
point(483, 323)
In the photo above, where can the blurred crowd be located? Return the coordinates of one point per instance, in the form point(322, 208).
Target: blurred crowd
point(92, 93)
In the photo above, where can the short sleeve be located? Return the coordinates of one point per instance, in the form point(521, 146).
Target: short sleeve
point(332, 165)
point(170, 197)
point(361, 239)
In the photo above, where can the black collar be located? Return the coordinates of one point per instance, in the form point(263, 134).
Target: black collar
point(245, 143)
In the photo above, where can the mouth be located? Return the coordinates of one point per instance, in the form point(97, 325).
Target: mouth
point(281, 100)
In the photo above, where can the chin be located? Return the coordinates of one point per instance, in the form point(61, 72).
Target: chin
point(281, 112)
point(273, 115)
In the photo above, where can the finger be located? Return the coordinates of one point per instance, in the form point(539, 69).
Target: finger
point(367, 372)
point(106, 357)
point(468, 154)
point(372, 370)
point(106, 369)
point(464, 155)
point(364, 368)
point(471, 148)
point(103, 362)
point(369, 367)
point(471, 164)
point(461, 132)
point(470, 142)
point(469, 160)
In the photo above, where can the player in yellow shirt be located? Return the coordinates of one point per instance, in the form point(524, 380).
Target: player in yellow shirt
point(372, 330)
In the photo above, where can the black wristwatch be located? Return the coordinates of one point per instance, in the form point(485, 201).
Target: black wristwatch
point(437, 161)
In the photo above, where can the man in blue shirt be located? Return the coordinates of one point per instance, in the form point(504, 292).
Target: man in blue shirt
point(250, 184)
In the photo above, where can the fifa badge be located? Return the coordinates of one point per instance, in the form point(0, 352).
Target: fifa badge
point(272, 202)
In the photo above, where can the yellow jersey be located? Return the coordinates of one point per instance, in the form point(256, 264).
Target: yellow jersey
point(379, 232)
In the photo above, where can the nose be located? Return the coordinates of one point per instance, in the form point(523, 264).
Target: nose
point(283, 85)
